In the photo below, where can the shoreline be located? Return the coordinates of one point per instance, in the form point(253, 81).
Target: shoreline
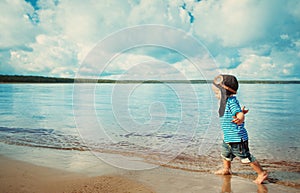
point(282, 173)
point(22, 176)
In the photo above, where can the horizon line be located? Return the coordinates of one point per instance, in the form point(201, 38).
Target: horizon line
point(48, 79)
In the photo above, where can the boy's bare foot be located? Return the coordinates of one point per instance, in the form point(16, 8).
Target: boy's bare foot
point(261, 177)
point(223, 172)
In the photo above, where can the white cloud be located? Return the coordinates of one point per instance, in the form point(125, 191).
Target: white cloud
point(288, 69)
point(284, 36)
point(16, 28)
point(278, 64)
point(249, 68)
point(124, 62)
point(152, 70)
point(293, 8)
point(243, 36)
point(203, 67)
point(52, 53)
point(237, 23)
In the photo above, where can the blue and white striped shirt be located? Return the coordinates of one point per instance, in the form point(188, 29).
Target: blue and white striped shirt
point(232, 132)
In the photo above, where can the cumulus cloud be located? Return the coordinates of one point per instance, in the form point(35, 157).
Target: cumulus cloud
point(50, 55)
point(16, 27)
point(53, 38)
point(269, 62)
point(240, 23)
point(228, 27)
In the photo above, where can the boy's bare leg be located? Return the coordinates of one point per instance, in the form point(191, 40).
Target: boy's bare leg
point(226, 168)
point(262, 175)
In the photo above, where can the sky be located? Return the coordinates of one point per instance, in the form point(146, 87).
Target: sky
point(252, 39)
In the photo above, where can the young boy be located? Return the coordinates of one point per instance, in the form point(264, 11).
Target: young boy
point(235, 136)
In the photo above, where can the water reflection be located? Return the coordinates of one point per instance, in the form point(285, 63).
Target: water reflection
point(261, 188)
point(226, 186)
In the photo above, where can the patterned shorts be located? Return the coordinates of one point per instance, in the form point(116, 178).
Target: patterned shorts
point(241, 150)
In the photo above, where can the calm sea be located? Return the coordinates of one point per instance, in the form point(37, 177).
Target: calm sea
point(155, 122)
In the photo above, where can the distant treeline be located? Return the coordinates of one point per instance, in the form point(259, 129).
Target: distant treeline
point(33, 79)
point(41, 79)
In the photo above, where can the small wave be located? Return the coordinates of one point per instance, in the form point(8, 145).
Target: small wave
point(25, 130)
point(42, 138)
point(285, 172)
point(135, 134)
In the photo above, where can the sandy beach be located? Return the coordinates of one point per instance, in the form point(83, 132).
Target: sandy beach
point(17, 176)
point(23, 177)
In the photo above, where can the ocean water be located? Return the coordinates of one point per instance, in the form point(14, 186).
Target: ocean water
point(171, 124)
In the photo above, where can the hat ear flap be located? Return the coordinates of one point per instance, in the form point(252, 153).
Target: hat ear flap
point(222, 102)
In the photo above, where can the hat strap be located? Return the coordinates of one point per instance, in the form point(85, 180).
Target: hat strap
point(227, 88)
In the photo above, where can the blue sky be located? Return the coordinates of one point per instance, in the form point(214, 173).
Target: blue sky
point(252, 39)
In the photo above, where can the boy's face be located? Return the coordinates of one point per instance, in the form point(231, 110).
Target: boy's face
point(217, 92)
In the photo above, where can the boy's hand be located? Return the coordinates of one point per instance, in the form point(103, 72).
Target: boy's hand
point(245, 111)
point(237, 121)
point(239, 118)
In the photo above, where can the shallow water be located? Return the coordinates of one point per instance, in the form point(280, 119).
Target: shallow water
point(156, 122)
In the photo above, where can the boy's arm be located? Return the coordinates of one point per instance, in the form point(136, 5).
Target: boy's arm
point(239, 118)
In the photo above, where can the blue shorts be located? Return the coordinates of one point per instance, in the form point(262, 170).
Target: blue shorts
point(241, 150)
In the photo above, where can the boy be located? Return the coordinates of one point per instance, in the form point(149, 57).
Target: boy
point(235, 136)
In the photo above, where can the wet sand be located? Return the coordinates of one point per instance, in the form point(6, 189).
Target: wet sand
point(22, 177)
